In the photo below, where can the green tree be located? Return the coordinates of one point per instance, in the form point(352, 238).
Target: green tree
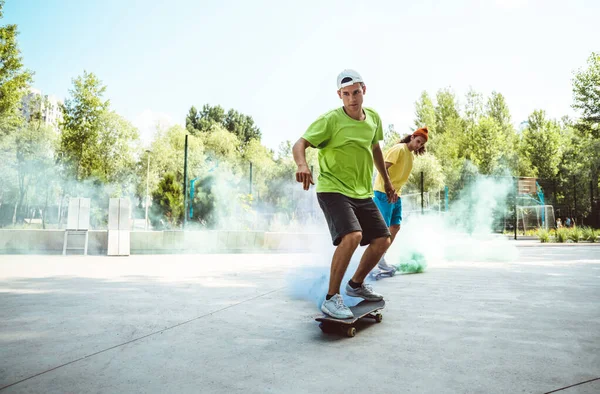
point(586, 92)
point(192, 121)
point(82, 124)
point(542, 145)
point(447, 116)
point(390, 138)
point(488, 144)
point(425, 115)
point(586, 100)
point(167, 203)
point(167, 156)
point(263, 166)
point(446, 132)
point(497, 109)
point(473, 107)
point(14, 79)
point(30, 153)
point(433, 175)
point(114, 149)
point(242, 126)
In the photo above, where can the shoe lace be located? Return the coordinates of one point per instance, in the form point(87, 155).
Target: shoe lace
point(339, 302)
point(367, 287)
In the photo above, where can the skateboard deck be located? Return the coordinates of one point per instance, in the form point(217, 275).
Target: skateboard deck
point(370, 309)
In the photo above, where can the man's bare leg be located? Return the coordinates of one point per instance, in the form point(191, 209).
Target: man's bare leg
point(370, 258)
point(341, 259)
point(394, 230)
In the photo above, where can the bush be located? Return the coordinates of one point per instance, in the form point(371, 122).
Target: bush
point(561, 235)
point(543, 235)
point(589, 234)
point(575, 234)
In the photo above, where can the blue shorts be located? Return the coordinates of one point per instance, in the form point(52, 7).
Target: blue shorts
point(392, 213)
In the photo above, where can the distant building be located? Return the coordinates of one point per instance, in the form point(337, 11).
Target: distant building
point(47, 106)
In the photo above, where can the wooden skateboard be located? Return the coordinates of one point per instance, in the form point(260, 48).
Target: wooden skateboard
point(370, 309)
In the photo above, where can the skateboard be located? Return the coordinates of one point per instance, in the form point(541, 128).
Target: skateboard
point(379, 273)
point(370, 309)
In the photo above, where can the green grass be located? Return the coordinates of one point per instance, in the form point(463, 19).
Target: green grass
point(561, 235)
point(574, 234)
point(543, 235)
point(589, 234)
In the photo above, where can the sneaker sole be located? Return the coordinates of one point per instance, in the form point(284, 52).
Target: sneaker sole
point(363, 297)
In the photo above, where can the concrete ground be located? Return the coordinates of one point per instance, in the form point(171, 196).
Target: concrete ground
point(228, 323)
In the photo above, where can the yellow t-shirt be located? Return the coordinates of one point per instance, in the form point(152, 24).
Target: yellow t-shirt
point(402, 162)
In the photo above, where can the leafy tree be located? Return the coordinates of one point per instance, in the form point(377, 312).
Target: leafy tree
point(447, 116)
point(242, 126)
point(222, 145)
point(166, 155)
point(390, 138)
point(83, 112)
point(14, 79)
point(586, 136)
point(497, 109)
point(425, 115)
point(488, 143)
point(192, 121)
point(586, 92)
point(167, 203)
point(433, 175)
point(114, 149)
point(34, 146)
point(541, 145)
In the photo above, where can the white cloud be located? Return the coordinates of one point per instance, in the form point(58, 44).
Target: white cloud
point(149, 121)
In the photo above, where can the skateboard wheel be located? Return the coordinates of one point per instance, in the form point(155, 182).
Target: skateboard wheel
point(351, 332)
point(378, 317)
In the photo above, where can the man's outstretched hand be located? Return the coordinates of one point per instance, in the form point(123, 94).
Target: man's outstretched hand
point(304, 176)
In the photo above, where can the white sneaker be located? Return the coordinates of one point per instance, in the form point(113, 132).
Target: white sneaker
point(365, 291)
point(335, 307)
point(384, 266)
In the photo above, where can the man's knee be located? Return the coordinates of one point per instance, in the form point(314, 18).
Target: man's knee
point(352, 239)
point(381, 243)
point(395, 227)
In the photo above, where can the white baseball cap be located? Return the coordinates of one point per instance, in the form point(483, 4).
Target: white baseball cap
point(352, 74)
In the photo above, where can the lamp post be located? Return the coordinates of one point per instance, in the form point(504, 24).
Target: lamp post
point(148, 151)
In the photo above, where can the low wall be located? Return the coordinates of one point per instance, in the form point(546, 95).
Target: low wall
point(158, 242)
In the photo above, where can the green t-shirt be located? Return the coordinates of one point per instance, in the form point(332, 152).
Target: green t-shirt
point(345, 151)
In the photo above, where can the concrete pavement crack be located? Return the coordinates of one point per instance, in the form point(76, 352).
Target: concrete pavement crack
point(137, 339)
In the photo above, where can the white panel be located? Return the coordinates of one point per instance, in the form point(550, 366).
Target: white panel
point(124, 214)
point(73, 214)
point(84, 214)
point(124, 242)
point(113, 214)
point(113, 242)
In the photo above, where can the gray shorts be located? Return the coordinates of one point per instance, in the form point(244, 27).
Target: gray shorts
point(345, 215)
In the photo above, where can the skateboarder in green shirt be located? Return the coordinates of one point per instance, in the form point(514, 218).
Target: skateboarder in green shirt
point(348, 142)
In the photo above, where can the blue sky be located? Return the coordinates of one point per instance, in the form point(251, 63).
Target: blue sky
point(278, 61)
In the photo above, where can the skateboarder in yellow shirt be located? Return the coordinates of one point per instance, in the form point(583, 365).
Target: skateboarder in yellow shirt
point(399, 164)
